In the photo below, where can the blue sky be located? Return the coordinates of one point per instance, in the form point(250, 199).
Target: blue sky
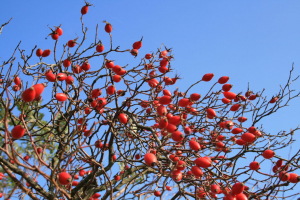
point(250, 41)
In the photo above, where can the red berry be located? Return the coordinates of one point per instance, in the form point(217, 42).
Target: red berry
point(237, 188)
point(229, 125)
point(59, 31)
point(187, 130)
point(98, 144)
point(71, 43)
point(254, 165)
point(164, 63)
point(194, 145)
point(252, 97)
point(77, 69)
point(29, 94)
point(17, 80)
point(162, 110)
point(74, 183)
point(176, 175)
point(61, 76)
point(215, 189)
point(26, 157)
point(100, 48)
point(15, 88)
point(117, 178)
point(108, 27)
point(121, 92)
point(116, 68)
point(240, 142)
point(294, 178)
point(109, 64)
point(165, 100)
point(50, 76)
point(226, 101)
point(207, 77)
point(134, 52)
point(87, 110)
point(163, 123)
point(195, 97)
point(229, 95)
point(279, 163)
point(223, 79)
point(242, 119)
point(252, 129)
point(17, 132)
point(268, 154)
point(101, 102)
point(248, 137)
point(176, 120)
point(137, 156)
point(82, 172)
point(67, 63)
point(226, 87)
point(171, 128)
point(184, 102)
point(39, 88)
point(39, 52)
point(39, 150)
point(64, 178)
point(110, 90)
point(211, 112)
point(137, 45)
point(157, 193)
point(96, 195)
point(148, 56)
point(163, 54)
point(150, 159)
point(274, 99)
point(284, 176)
point(69, 80)
point(54, 36)
point(181, 165)
point(96, 93)
point(204, 162)
point(86, 65)
point(177, 136)
point(121, 72)
point(84, 10)
point(117, 78)
point(197, 171)
point(46, 53)
point(241, 196)
point(123, 118)
point(61, 97)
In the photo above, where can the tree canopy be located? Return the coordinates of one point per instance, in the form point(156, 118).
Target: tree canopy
point(118, 132)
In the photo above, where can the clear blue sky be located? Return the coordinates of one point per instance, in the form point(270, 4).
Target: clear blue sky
point(250, 41)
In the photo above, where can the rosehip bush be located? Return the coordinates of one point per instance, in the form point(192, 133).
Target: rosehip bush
point(92, 130)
